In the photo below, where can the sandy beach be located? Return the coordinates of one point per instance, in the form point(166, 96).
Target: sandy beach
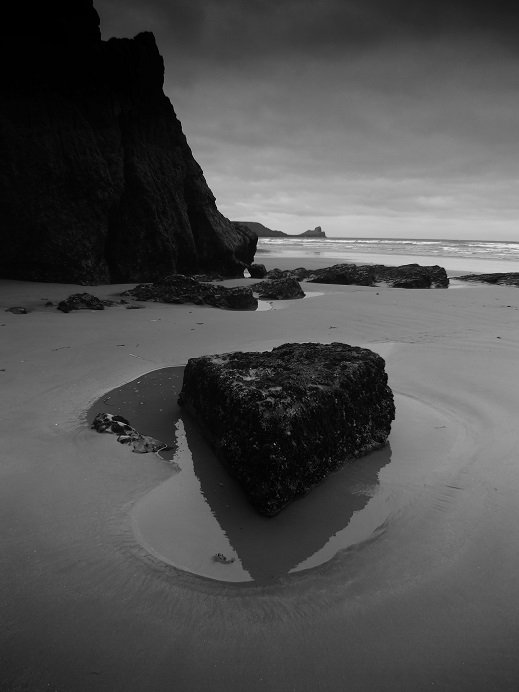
point(421, 593)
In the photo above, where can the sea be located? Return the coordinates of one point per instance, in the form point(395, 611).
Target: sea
point(472, 256)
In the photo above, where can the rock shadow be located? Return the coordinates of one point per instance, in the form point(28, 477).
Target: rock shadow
point(271, 547)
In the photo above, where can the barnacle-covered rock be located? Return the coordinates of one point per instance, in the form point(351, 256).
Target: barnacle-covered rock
point(495, 279)
point(82, 301)
point(283, 420)
point(279, 289)
point(179, 289)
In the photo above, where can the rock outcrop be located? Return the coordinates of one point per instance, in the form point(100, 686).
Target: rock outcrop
point(282, 420)
point(345, 274)
point(411, 276)
point(260, 230)
point(279, 289)
point(257, 271)
point(97, 181)
point(82, 301)
point(179, 289)
point(497, 279)
point(316, 232)
point(404, 276)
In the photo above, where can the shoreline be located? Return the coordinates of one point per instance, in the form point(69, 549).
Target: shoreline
point(454, 266)
point(422, 595)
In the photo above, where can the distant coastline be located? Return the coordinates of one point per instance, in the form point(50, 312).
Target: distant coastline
point(265, 232)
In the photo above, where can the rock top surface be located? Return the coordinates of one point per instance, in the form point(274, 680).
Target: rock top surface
point(281, 421)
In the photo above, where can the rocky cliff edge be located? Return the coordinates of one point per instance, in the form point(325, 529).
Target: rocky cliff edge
point(97, 181)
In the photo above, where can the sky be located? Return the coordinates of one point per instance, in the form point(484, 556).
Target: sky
point(381, 118)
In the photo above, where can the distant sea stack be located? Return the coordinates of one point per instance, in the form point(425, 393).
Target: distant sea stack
point(97, 181)
point(263, 232)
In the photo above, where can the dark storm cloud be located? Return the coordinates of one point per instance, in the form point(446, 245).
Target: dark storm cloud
point(231, 29)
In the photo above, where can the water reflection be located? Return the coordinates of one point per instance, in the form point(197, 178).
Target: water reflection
point(269, 548)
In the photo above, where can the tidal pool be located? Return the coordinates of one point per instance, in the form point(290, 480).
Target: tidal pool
point(200, 512)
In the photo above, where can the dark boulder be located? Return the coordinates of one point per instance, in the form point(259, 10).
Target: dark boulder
point(404, 276)
point(179, 289)
point(82, 301)
point(496, 279)
point(234, 298)
point(411, 276)
point(344, 274)
point(300, 273)
point(257, 271)
point(278, 289)
point(283, 420)
point(97, 181)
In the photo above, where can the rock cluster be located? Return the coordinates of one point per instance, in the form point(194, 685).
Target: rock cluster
point(283, 420)
point(498, 278)
point(97, 181)
point(118, 425)
point(83, 301)
point(179, 289)
point(404, 276)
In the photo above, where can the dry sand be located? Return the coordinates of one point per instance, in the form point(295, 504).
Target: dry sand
point(426, 594)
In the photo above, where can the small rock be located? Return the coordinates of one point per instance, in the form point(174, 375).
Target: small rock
point(17, 310)
point(257, 271)
point(82, 301)
point(140, 444)
point(108, 422)
point(222, 559)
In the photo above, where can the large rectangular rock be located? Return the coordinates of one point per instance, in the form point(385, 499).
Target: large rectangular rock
point(282, 420)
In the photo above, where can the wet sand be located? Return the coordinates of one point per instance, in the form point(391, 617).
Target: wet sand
point(201, 512)
point(425, 596)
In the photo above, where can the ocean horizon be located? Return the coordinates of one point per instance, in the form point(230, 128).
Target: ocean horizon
point(477, 256)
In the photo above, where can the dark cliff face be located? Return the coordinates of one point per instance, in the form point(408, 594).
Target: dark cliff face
point(97, 181)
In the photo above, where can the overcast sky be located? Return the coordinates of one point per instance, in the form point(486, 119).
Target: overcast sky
point(394, 118)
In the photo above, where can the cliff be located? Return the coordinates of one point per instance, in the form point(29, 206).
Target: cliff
point(97, 181)
point(263, 232)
